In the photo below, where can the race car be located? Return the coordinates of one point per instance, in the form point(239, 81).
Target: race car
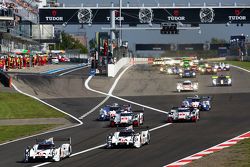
point(222, 80)
point(208, 70)
point(187, 86)
point(47, 150)
point(128, 137)
point(188, 74)
point(223, 67)
point(110, 110)
point(203, 103)
point(127, 118)
point(183, 114)
point(171, 70)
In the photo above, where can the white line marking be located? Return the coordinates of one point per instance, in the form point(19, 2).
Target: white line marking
point(240, 68)
point(75, 69)
point(80, 122)
point(93, 109)
point(109, 94)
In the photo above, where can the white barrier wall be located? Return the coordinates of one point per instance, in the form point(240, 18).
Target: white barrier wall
point(114, 68)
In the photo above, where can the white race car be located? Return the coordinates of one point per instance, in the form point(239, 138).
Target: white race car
point(47, 150)
point(127, 118)
point(187, 86)
point(186, 114)
point(128, 137)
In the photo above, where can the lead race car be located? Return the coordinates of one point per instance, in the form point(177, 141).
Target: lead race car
point(187, 86)
point(222, 80)
point(47, 150)
point(203, 103)
point(183, 114)
point(128, 137)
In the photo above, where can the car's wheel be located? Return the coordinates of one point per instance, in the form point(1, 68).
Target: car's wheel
point(170, 120)
point(148, 139)
point(112, 124)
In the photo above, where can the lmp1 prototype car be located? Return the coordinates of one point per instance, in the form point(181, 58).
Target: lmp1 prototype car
point(188, 74)
point(222, 66)
point(208, 70)
point(127, 118)
point(187, 86)
point(222, 80)
point(171, 70)
point(128, 137)
point(183, 114)
point(47, 150)
point(203, 103)
point(110, 110)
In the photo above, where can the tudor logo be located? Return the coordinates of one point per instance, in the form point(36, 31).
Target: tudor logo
point(54, 13)
point(237, 12)
point(176, 13)
point(176, 16)
point(54, 18)
point(237, 16)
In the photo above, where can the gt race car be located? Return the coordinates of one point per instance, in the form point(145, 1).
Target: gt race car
point(127, 118)
point(188, 74)
point(208, 70)
point(128, 137)
point(203, 103)
point(187, 86)
point(183, 114)
point(110, 110)
point(47, 150)
point(222, 80)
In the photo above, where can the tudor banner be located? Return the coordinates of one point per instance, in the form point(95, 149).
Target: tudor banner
point(145, 15)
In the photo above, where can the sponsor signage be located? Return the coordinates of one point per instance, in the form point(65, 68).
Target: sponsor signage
point(130, 16)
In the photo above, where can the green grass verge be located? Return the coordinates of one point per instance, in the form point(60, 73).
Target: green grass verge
point(18, 106)
point(12, 132)
point(242, 155)
point(243, 64)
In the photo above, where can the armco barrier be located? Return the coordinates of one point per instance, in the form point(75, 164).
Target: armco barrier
point(6, 80)
point(114, 68)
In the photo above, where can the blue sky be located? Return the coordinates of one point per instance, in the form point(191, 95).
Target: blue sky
point(187, 36)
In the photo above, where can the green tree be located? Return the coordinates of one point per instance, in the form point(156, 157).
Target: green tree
point(92, 43)
point(68, 43)
point(218, 41)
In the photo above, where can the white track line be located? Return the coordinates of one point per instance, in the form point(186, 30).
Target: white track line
point(75, 69)
point(243, 69)
point(80, 122)
point(109, 94)
point(225, 144)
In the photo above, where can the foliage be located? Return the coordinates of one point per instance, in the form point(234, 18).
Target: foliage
point(218, 41)
point(70, 43)
point(12, 132)
point(92, 44)
point(18, 106)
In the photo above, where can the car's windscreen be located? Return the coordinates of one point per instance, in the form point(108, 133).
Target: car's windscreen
point(114, 108)
point(125, 134)
point(45, 146)
point(186, 83)
point(184, 110)
point(126, 114)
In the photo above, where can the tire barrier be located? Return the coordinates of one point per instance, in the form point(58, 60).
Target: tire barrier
point(6, 80)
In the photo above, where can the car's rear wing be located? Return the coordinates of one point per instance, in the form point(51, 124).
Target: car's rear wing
point(215, 77)
point(52, 139)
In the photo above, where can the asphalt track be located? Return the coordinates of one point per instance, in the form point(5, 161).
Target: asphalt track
point(228, 118)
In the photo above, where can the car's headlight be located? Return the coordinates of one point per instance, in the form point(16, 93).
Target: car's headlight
point(180, 70)
point(193, 73)
point(195, 86)
point(191, 63)
point(161, 69)
point(229, 81)
point(203, 70)
point(214, 81)
point(215, 70)
point(206, 65)
point(169, 71)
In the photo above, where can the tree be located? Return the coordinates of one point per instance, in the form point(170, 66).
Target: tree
point(92, 44)
point(68, 43)
point(218, 41)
